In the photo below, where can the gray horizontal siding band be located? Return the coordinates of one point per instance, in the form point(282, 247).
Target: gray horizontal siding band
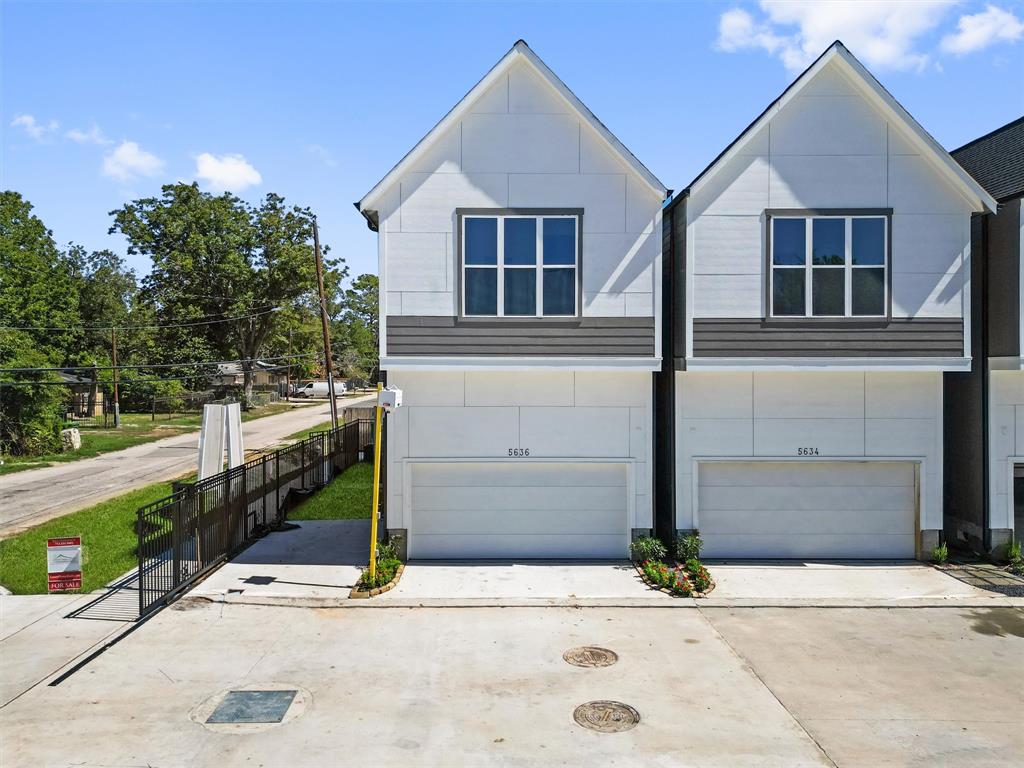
point(755, 338)
point(797, 353)
point(587, 337)
point(514, 341)
point(586, 322)
point(402, 350)
point(576, 333)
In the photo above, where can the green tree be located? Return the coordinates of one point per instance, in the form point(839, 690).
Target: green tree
point(217, 257)
point(356, 329)
point(39, 322)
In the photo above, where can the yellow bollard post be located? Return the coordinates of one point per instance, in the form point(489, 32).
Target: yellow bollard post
point(376, 488)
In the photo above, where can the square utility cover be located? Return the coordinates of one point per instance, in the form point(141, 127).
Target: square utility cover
point(253, 707)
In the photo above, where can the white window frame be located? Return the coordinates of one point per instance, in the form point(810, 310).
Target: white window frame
point(848, 266)
point(539, 267)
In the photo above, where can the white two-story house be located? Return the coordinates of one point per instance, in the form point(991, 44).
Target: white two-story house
point(520, 277)
point(820, 271)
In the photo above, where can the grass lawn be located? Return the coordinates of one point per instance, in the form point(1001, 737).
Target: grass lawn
point(347, 497)
point(108, 543)
point(304, 433)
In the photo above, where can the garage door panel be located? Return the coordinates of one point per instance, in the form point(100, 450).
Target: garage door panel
point(806, 473)
point(810, 498)
point(516, 521)
point(808, 546)
point(807, 522)
point(493, 546)
point(518, 509)
point(816, 509)
point(457, 498)
point(510, 474)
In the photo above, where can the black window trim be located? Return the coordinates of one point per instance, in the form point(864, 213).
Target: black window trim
point(461, 317)
point(856, 320)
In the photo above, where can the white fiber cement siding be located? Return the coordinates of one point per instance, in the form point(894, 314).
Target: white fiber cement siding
point(827, 148)
point(1006, 442)
point(571, 418)
point(521, 146)
point(838, 415)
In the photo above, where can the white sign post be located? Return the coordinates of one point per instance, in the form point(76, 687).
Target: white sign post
point(222, 425)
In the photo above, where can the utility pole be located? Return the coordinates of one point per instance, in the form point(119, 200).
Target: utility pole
point(326, 326)
point(288, 373)
point(113, 353)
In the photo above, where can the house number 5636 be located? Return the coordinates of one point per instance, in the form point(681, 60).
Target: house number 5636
point(518, 452)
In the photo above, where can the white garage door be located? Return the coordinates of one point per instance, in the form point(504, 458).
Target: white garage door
point(518, 510)
point(807, 510)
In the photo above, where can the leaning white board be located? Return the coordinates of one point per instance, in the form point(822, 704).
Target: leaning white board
point(233, 429)
point(211, 441)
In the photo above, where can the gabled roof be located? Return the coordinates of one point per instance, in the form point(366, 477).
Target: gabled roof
point(867, 85)
point(520, 52)
point(996, 160)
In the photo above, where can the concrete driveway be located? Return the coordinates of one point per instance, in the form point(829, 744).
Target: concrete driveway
point(34, 496)
point(848, 580)
point(488, 686)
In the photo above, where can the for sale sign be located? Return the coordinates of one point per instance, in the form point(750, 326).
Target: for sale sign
point(64, 564)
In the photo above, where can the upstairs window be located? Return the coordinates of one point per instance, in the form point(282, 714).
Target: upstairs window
point(520, 266)
point(829, 266)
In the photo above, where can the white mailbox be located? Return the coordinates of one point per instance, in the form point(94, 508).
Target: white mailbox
point(389, 399)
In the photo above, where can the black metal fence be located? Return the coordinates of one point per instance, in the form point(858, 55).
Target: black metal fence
point(183, 536)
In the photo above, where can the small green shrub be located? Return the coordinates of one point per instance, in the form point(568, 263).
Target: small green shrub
point(681, 583)
point(940, 554)
point(1016, 558)
point(1013, 552)
point(699, 574)
point(688, 547)
point(647, 548)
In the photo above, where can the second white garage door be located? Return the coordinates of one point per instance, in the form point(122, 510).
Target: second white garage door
point(518, 510)
point(775, 509)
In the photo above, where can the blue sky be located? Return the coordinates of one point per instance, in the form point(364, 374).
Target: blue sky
point(102, 103)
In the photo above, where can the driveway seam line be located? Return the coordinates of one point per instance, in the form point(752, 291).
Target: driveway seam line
point(767, 687)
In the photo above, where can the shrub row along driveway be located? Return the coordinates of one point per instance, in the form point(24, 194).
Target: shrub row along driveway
point(488, 686)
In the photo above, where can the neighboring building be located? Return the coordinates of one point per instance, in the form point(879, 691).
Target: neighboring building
point(985, 408)
point(819, 290)
point(265, 375)
point(520, 269)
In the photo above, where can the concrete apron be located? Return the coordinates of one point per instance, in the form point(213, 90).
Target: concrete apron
point(317, 564)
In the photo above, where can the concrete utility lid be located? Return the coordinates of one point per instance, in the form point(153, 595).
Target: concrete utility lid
point(253, 707)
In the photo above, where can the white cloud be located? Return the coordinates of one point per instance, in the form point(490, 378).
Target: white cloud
point(977, 31)
point(36, 130)
point(93, 136)
point(226, 172)
point(129, 161)
point(883, 33)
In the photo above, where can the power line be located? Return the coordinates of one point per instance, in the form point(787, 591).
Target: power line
point(57, 369)
point(135, 327)
point(131, 382)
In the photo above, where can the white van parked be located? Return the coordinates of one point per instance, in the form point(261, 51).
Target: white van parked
point(319, 389)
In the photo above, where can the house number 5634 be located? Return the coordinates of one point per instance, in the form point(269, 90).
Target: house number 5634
point(806, 451)
point(518, 452)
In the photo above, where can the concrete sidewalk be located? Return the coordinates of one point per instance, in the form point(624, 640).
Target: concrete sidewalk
point(34, 496)
point(319, 562)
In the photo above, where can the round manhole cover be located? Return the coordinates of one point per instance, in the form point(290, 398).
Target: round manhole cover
point(606, 716)
point(590, 656)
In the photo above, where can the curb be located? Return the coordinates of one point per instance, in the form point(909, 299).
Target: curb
point(656, 600)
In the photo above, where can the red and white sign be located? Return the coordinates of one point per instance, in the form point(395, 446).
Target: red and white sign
point(64, 564)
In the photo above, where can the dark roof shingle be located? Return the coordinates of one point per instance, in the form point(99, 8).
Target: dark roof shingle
point(996, 160)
